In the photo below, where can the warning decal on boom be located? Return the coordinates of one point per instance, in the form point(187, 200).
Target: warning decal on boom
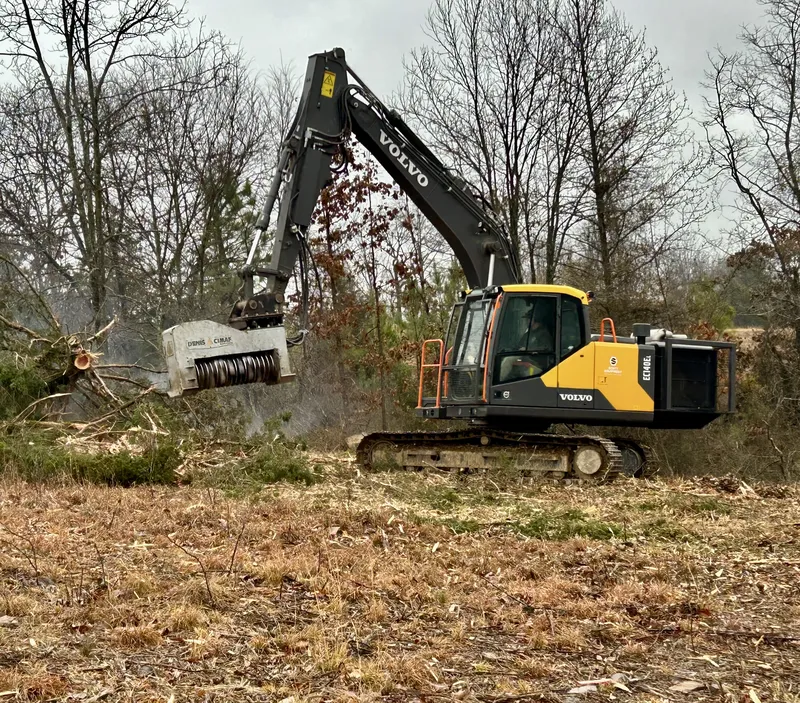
point(328, 82)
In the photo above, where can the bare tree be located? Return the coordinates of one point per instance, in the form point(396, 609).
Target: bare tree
point(642, 162)
point(753, 128)
point(477, 92)
point(78, 52)
point(183, 177)
point(33, 179)
point(557, 190)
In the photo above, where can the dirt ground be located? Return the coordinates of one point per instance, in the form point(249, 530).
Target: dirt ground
point(394, 586)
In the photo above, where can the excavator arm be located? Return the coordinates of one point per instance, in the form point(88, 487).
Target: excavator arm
point(332, 108)
point(252, 347)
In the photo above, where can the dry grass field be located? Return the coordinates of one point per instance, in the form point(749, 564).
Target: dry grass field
point(400, 587)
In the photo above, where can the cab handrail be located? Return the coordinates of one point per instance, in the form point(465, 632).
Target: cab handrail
point(433, 365)
point(603, 329)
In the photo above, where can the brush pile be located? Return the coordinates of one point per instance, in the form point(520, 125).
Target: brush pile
point(52, 374)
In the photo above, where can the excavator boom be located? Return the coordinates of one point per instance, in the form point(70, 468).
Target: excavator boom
point(334, 105)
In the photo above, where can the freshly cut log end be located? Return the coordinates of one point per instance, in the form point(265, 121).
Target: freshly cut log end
point(206, 354)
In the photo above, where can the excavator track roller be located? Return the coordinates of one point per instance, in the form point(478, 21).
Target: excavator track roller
point(587, 461)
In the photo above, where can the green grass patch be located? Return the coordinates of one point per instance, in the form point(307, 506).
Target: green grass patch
point(666, 529)
point(707, 505)
point(565, 525)
point(35, 458)
point(276, 462)
point(461, 527)
point(441, 498)
point(648, 506)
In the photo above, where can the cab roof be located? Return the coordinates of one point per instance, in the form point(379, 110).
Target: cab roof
point(547, 288)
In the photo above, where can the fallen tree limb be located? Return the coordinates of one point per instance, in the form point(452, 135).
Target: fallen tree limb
point(102, 332)
point(128, 366)
point(35, 336)
point(23, 414)
point(125, 379)
point(125, 406)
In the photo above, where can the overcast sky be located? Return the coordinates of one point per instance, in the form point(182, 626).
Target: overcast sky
point(378, 33)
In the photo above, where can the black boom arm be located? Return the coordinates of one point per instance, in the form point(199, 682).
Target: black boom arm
point(330, 110)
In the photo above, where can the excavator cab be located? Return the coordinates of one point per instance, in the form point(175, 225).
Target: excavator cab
point(502, 336)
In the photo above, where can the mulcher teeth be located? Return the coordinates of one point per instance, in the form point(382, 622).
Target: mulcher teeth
point(259, 367)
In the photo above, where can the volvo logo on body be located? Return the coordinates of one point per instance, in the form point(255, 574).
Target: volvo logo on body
point(576, 397)
point(403, 160)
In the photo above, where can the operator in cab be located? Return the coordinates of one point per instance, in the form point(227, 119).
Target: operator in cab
point(535, 339)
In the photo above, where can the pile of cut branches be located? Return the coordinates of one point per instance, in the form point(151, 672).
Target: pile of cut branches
point(48, 373)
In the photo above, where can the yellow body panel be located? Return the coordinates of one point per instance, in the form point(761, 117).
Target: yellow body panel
point(574, 372)
point(610, 369)
point(617, 377)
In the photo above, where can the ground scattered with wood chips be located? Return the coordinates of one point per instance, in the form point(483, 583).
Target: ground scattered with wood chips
point(394, 586)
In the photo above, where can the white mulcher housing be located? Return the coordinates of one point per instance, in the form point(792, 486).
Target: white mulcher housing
point(206, 354)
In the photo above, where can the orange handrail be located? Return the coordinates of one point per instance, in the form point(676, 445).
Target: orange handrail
point(603, 329)
point(424, 366)
point(489, 343)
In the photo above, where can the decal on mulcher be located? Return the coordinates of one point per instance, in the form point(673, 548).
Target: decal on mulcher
point(209, 343)
point(403, 160)
point(576, 398)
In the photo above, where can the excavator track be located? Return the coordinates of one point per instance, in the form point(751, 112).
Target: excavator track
point(560, 457)
point(637, 459)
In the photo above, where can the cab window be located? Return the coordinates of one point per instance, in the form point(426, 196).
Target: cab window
point(571, 325)
point(526, 338)
point(469, 347)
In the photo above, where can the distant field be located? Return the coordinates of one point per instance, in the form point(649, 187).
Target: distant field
point(393, 586)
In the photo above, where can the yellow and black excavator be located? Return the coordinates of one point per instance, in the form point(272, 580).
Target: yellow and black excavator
point(516, 359)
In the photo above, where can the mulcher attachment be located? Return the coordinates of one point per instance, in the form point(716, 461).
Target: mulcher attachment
point(206, 354)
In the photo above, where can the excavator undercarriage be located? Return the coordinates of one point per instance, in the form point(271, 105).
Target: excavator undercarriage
point(544, 455)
